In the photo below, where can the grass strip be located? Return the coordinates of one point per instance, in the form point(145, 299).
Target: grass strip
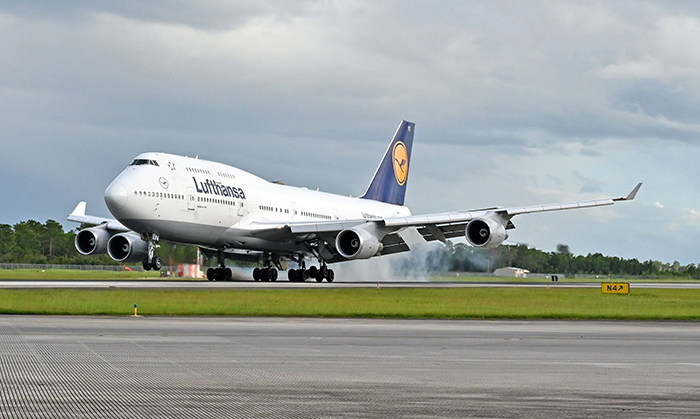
point(602, 278)
point(468, 303)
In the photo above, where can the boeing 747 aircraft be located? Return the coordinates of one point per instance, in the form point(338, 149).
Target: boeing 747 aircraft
point(229, 213)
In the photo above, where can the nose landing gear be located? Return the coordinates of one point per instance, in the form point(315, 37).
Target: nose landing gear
point(152, 261)
point(156, 264)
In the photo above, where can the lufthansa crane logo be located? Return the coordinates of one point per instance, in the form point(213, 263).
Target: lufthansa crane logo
point(400, 162)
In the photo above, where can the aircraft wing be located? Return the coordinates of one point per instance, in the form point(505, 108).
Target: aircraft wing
point(452, 224)
point(78, 216)
point(432, 226)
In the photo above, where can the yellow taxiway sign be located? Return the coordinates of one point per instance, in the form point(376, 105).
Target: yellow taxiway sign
point(615, 287)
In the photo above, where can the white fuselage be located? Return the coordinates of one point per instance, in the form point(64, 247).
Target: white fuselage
point(194, 201)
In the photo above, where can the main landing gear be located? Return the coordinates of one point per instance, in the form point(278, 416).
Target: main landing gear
point(269, 273)
point(265, 274)
point(271, 263)
point(222, 273)
point(319, 274)
point(152, 261)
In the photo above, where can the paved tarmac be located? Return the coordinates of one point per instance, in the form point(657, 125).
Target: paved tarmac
point(126, 367)
point(180, 284)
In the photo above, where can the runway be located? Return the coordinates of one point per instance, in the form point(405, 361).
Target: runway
point(179, 284)
point(127, 367)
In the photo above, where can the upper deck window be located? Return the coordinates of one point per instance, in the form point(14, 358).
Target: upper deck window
point(140, 162)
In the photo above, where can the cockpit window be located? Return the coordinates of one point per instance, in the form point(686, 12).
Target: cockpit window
point(141, 162)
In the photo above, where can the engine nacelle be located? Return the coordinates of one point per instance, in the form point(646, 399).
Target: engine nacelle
point(485, 232)
point(92, 241)
point(127, 247)
point(355, 243)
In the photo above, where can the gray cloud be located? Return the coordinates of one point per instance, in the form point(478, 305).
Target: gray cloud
point(515, 102)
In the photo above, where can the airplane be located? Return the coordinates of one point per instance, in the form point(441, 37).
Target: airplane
point(232, 214)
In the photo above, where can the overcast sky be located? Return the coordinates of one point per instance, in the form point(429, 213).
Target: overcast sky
point(515, 103)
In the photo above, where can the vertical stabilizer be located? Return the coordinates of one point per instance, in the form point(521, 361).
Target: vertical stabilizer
point(389, 181)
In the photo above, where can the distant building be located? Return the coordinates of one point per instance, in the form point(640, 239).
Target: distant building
point(511, 272)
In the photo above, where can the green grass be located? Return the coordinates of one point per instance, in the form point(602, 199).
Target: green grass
point(602, 278)
point(48, 274)
point(461, 303)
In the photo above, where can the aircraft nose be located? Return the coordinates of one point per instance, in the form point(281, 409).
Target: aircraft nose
point(115, 196)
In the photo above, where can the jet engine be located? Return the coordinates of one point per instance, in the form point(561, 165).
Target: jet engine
point(485, 232)
point(127, 247)
point(92, 241)
point(357, 244)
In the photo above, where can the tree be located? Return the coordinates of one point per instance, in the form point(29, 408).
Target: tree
point(53, 239)
point(28, 235)
point(8, 245)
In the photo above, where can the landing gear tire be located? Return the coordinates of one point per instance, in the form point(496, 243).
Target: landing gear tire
point(331, 275)
point(292, 275)
point(146, 265)
point(219, 274)
point(156, 264)
point(256, 274)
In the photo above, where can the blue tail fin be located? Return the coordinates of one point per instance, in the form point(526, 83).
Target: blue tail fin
point(389, 181)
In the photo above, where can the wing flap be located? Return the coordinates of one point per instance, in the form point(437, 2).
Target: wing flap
point(443, 232)
point(393, 243)
point(436, 219)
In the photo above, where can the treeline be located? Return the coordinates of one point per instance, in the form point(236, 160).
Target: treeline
point(464, 258)
point(34, 242)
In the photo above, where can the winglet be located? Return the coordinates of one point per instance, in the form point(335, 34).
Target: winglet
point(79, 210)
point(631, 194)
point(78, 216)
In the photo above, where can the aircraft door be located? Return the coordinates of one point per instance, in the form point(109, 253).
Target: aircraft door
point(191, 206)
point(294, 210)
point(336, 216)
